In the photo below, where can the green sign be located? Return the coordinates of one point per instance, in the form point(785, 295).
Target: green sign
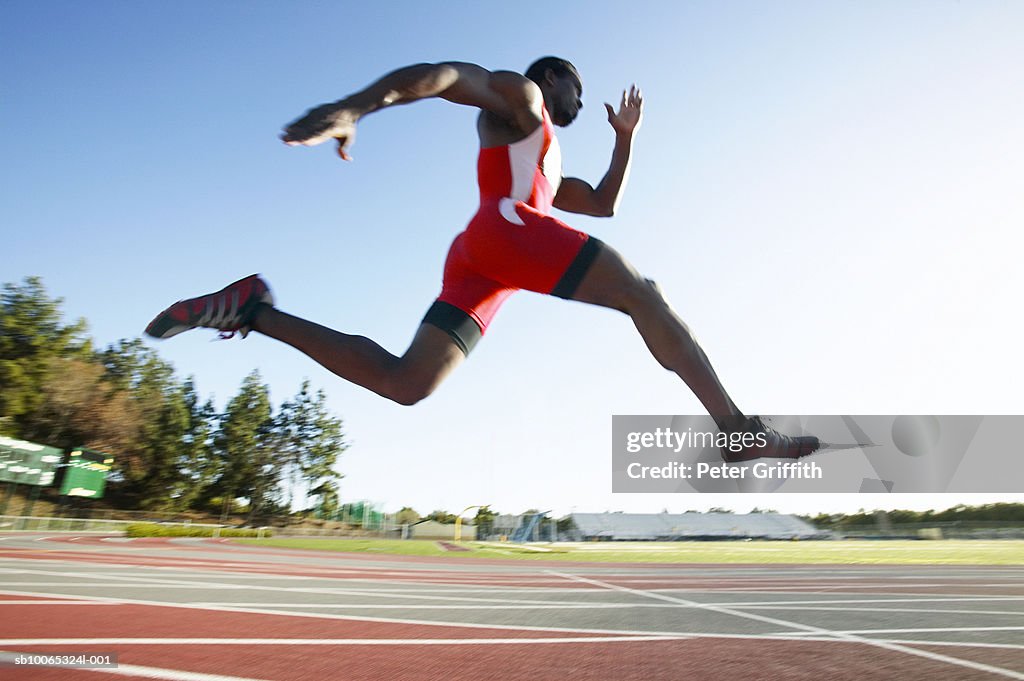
point(85, 473)
point(27, 463)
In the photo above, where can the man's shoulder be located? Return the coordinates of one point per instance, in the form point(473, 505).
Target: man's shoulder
point(516, 87)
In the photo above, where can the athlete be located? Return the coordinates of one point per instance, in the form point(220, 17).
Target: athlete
point(511, 243)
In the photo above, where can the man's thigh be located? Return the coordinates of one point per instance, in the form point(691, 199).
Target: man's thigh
point(609, 281)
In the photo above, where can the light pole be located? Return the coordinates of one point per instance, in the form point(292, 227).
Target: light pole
point(458, 521)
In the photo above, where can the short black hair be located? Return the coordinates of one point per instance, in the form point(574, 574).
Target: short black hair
point(561, 67)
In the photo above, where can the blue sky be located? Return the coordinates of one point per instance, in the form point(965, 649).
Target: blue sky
point(829, 193)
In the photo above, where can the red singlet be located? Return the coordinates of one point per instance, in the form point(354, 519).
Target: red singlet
point(512, 242)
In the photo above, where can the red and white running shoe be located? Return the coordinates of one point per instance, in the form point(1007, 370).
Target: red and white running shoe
point(229, 310)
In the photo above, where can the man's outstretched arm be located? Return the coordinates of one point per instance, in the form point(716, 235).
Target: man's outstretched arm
point(577, 196)
point(510, 96)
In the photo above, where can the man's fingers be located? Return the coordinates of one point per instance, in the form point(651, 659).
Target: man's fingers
point(294, 139)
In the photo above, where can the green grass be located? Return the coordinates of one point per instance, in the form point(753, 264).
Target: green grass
point(157, 530)
point(395, 547)
point(804, 552)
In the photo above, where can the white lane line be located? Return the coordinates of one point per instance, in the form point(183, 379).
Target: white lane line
point(510, 604)
point(365, 618)
point(116, 585)
point(862, 601)
point(329, 641)
point(921, 630)
point(47, 602)
point(1010, 674)
point(463, 587)
point(954, 644)
point(148, 582)
point(925, 611)
point(169, 674)
point(889, 596)
point(8, 657)
point(685, 635)
point(793, 636)
point(444, 606)
point(255, 569)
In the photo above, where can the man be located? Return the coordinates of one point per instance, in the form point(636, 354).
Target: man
point(511, 243)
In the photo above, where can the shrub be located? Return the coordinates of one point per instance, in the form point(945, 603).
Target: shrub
point(158, 530)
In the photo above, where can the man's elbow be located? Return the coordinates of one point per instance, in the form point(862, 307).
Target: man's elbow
point(605, 206)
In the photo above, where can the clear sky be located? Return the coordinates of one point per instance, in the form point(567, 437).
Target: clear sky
point(831, 194)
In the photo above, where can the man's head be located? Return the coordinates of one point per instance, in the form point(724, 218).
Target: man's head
point(561, 85)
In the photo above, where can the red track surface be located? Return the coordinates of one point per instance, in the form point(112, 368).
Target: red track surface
point(399, 651)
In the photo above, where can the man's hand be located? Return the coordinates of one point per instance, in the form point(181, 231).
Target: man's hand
point(335, 120)
point(630, 112)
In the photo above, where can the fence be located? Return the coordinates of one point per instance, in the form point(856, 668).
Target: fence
point(22, 523)
point(283, 526)
point(940, 530)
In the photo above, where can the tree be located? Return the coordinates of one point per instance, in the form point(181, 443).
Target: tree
point(407, 516)
point(196, 461)
point(76, 407)
point(246, 420)
point(171, 449)
point(484, 521)
point(443, 517)
point(311, 440)
point(32, 336)
point(329, 498)
point(151, 468)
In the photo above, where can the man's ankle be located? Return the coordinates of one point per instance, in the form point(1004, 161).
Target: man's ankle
point(732, 423)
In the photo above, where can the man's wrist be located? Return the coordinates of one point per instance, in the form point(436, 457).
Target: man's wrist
point(625, 136)
point(359, 106)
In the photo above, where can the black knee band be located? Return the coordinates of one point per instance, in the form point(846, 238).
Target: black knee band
point(570, 281)
point(456, 323)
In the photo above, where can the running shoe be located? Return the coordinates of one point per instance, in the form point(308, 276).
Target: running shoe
point(771, 444)
point(229, 310)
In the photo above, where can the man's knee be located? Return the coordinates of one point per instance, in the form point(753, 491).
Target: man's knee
point(614, 283)
point(409, 385)
point(432, 356)
point(638, 293)
point(410, 392)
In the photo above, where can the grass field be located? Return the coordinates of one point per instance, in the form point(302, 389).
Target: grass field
point(804, 552)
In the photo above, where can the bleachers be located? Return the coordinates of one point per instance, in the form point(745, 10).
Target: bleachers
point(673, 526)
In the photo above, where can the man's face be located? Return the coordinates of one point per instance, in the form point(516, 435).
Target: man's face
point(564, 101)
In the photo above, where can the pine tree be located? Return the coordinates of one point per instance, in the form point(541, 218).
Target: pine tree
point(32, 335)
point(246, 420)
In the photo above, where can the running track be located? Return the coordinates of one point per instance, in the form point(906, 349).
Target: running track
point(209, 610)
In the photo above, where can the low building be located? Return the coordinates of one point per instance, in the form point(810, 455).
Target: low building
point(431, 529)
